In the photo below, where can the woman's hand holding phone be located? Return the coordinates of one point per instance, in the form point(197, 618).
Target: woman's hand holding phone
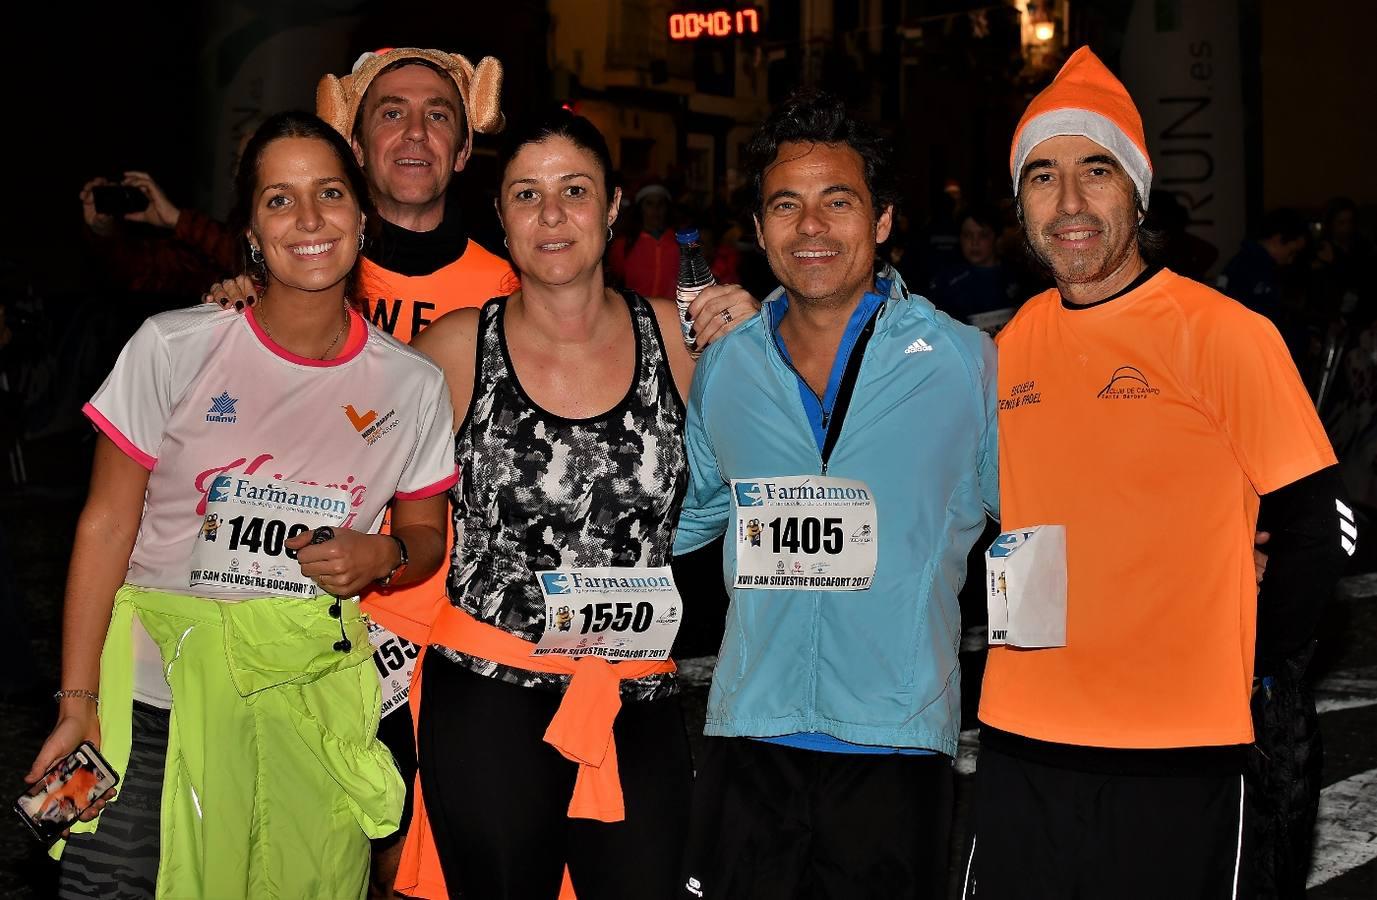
point(77, 721)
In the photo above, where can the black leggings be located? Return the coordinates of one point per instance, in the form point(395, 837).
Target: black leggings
point(497, 794)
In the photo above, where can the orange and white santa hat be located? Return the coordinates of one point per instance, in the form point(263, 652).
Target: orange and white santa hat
point(1086, 99)
point(480, 88)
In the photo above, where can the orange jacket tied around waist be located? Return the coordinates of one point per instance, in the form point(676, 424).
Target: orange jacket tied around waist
point(581, 730)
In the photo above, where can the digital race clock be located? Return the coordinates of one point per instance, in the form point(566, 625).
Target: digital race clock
point(714, 23)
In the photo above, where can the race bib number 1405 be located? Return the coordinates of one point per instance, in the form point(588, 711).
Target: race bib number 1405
point(804, 532)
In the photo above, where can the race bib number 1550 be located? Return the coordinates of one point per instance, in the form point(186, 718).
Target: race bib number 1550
point(612, 612)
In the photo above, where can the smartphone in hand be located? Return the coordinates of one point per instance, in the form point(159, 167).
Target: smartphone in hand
point(118, 199)
point(64, 792)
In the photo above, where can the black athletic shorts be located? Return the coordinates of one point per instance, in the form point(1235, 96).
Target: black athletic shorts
point(1044, 830)
point(778, 822)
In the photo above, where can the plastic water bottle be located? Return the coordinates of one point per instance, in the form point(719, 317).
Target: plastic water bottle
point(694, 275)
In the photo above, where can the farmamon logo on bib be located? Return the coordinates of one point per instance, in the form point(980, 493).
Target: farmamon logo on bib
point(748, 494)
point(286, 496)
point(242, 542)
point(555, 582)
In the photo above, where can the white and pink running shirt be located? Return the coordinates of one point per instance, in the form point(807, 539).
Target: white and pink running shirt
point(199, 392)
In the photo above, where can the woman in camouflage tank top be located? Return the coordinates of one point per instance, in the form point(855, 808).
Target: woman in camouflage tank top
point(571, 451)
point(541, 492)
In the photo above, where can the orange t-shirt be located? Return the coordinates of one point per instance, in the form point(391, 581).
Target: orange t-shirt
point(403, 305)
point(1148, 426)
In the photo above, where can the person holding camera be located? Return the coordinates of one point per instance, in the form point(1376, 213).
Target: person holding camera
point(147, 243)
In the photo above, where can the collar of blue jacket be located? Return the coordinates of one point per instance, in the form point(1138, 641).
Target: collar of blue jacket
point(819, 409)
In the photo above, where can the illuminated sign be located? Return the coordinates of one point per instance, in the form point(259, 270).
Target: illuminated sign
point(716, 23)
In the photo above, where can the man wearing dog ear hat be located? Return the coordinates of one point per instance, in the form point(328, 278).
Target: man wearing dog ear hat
point(411, 115)
point(1152, 418)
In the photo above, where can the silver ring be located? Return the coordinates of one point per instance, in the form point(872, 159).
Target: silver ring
point(726, 315)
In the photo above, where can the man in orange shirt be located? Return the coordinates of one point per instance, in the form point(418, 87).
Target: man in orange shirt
point(1148, 416)
point(411, 115)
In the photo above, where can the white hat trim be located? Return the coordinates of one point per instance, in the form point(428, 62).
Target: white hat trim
point(1088, 124)
point(652, 190)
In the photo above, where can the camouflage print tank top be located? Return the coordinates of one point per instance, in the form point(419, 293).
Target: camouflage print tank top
point(538, 491)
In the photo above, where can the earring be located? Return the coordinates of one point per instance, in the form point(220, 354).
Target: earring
point(255, 255)
point(360, 240)
point(504, 242)
point(609, 234)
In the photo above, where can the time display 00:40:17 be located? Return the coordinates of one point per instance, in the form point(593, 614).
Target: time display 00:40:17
point(688, 26)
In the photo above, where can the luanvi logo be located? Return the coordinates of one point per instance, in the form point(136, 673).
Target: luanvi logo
point(1128, 383)
point(222, 409)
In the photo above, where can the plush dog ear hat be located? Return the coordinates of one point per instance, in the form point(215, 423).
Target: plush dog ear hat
point(480, 88)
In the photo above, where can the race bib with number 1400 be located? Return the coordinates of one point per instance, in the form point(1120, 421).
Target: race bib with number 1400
point(249, 518)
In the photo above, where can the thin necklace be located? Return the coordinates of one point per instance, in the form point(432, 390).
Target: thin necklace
point(264, 322)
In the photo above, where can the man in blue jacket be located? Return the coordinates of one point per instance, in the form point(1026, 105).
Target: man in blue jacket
point(844, 441)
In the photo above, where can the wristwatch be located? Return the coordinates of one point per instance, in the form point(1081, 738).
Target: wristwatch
point(400, 567)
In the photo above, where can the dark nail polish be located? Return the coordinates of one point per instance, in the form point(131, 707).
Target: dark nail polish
point(239, 304)
point(688, 318)
point(693, 334)
point(250, 299)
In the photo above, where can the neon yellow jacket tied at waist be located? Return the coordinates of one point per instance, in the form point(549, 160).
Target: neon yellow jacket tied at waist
point(275, 779)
